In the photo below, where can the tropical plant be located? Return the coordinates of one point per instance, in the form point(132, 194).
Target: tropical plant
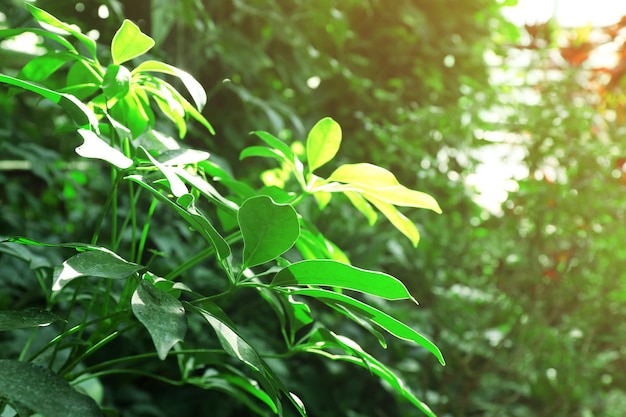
point(259, 249)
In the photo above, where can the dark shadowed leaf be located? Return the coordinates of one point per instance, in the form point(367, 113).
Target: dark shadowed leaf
point(32, 317)
point(41, 390)
point(162, 314)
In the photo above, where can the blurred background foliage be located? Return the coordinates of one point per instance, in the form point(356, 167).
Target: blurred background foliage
point(522, 289)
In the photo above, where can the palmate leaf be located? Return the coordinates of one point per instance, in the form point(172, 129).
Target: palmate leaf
point(325, 272)
point(39, 389)
point(162, 314)
point(268, 229)
point(365, 311)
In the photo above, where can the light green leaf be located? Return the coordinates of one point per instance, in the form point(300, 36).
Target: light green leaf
point(162, 314)
point(129, 42)
point(325, 272)
point(94, 147)
point(41, 390)
point(277, 144)
point(364, 175)
point(323, 142)
point(194, 87)
point(76, 109)
point(261, 151)
point(399, 195)
point(385, 321)
point(45, 17)
point(32, 317)
point(362, 206)
point(399, 220)
point(93, 263)
point(268, 229)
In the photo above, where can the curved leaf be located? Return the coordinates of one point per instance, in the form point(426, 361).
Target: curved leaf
point(268, 229)
point(325, 272)
point(45, 17)
point(193, 86)
point(43, 391)
point(76, 109)
point(94, 147)
point(385, 321)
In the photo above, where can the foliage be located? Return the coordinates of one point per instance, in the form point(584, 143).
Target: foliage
point(104, 303)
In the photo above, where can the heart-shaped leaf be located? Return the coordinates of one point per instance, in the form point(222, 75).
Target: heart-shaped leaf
point(162, 314)
point(323, 142)
point(129, 42)
point(41, 390)
point(268, 229)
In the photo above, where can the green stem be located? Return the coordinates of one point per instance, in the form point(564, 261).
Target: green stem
point(144, 231)
point(92, 349)
point(140, 356)
point(127, 371)
point(77, 328)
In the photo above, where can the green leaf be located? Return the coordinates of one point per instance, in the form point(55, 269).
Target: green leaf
point(32, 317)
point(76, 109)
point(194, 87)
point(325, 272)
point(94, 147)
point(129, 42)
point(162, 314)
point(268, 229)
point(42, 67)
point(100, 263)
point(41, 390)
point(323, 142)
point(385, 321)
point(45, 17)
point(116, 82)
point(261, 151)
point(278, 145)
